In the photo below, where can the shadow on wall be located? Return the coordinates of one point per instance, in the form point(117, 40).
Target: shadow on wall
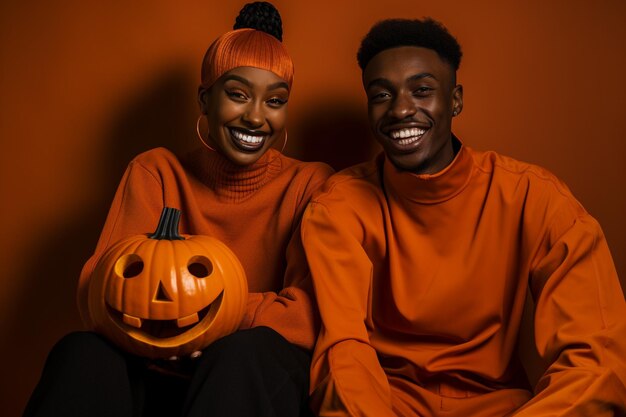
point(338, 135)
point(162, 115)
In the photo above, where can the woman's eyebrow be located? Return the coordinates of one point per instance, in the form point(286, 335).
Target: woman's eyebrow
point(238, 78)
point(279, 84)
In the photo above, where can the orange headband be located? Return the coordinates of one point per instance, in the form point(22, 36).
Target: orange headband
point(246, 48)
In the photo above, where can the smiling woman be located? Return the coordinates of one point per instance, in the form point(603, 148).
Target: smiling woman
point(247, 112)
point(238, 190)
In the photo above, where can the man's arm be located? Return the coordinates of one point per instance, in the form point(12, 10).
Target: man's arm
point(580, 325)
point(346, 377)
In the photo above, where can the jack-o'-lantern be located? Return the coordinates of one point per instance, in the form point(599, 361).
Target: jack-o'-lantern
point(166, 294)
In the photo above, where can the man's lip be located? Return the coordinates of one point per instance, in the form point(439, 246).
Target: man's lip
point(389, 128)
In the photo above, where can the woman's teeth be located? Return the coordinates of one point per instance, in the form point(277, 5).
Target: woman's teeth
point(247, 138)
point(407, 136)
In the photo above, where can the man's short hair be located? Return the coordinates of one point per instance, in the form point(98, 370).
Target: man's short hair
point(426, 33)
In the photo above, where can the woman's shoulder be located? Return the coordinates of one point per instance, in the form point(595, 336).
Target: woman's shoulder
point(305, 169)
point(155, 156)
point(157, 160)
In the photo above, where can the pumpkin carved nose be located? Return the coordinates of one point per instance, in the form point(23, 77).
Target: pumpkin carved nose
point(161, 294)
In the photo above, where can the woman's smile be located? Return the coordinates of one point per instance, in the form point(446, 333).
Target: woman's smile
point(247, 112)
point(248, 140)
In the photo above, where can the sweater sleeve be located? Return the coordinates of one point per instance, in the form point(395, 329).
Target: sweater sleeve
point(346, 376)
point(135, 209)
point(580, 325)
point(291, 311)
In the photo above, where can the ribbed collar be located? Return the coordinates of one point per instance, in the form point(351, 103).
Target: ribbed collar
point(430, 188)
point(233, 182)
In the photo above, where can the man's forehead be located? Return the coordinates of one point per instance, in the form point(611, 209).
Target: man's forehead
point(405, 62)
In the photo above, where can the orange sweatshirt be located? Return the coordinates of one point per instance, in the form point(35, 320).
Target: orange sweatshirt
point(255, 210)
point(421, 282)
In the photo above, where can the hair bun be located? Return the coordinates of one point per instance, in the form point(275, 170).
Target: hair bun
point(262, 16)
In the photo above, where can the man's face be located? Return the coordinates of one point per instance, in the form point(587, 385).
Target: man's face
point(412, 98)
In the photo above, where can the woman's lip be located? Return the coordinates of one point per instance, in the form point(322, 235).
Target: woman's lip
point(250, 132)
point(247, 146)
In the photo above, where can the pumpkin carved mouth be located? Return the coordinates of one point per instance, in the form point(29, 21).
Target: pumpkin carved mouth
point(163, 329)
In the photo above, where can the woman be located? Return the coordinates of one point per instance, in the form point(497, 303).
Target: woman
point(238, 189)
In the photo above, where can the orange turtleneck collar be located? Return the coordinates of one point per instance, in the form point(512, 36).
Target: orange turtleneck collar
point(232, 182)
point(430, 188)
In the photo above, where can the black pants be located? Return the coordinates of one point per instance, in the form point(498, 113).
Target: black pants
point(253, 372)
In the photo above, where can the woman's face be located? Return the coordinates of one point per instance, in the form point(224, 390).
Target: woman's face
point(246, 110)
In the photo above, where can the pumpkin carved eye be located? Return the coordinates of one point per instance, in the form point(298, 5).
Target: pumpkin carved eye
point(200, 266)
point(129, 266)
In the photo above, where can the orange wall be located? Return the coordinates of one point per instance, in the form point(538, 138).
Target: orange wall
point(85, 85)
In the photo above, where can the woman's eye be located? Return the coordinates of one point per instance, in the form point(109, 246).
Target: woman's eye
point(276, 102)
point(236, 95)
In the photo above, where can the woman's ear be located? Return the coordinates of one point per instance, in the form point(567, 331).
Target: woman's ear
point(203, 99)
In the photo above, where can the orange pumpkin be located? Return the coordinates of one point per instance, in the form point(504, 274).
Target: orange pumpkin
point(167, 295)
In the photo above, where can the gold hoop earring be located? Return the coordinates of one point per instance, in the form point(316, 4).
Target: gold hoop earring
point(285, 143)
point(200, 136)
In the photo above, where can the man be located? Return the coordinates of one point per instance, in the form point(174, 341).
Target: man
point(423, 258)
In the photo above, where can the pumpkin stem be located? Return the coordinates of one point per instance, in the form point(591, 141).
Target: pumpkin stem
point(168, 225)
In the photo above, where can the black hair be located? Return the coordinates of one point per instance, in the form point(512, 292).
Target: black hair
point(426, 33)
point(262, 16)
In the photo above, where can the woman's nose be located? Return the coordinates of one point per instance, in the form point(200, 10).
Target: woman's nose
point(253, 116)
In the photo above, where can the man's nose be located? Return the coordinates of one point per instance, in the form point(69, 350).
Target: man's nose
point(402, 106)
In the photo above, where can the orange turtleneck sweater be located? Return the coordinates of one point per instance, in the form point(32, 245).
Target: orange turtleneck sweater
point(421, 282)
point(255, 210)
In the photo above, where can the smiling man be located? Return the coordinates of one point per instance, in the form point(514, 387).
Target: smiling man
point(423, 260)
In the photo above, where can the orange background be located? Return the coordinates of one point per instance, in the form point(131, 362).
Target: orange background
point(85, 85)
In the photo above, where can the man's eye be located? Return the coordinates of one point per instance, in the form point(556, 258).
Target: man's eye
point(378, 97)
point(422, 91)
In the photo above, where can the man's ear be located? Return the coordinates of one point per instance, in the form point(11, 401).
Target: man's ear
point(203, 99)
point(457, 100)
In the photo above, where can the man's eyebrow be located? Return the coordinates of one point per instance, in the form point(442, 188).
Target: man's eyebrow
point(384, 82)
point(279, 84)
point(420, 76)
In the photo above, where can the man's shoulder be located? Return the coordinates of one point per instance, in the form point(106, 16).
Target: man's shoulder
point(358, 182)
point(489, 161)
point(494, 163)
point(536, 183)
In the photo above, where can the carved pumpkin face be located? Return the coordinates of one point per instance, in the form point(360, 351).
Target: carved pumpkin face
point(167, 295)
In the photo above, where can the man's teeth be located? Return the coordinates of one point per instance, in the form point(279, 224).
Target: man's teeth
point(247, 138)
point(407, 136)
